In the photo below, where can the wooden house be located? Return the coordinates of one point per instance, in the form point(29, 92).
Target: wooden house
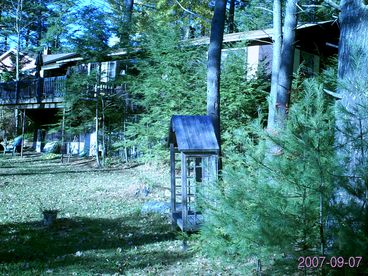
point(314, 43)
point(7, 63)
point(41, 93)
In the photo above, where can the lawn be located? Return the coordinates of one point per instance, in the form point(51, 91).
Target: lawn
point(100, 228)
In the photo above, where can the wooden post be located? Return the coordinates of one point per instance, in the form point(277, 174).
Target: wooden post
point(125, 147)
point(173, 188)
point(16, 122)
point(23, 129)
point(16, 91)
point(97, 157)
point(62, 137)
point(184, 199)
point(97, 95)
point(103, 131)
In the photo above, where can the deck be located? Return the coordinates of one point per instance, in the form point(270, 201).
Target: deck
point(39, 93)
point(34, 93)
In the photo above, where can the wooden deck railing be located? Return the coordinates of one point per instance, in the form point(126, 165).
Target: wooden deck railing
point(33, 91)
point(47, 90)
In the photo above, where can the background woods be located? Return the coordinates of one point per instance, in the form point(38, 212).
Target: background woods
point(284, 83)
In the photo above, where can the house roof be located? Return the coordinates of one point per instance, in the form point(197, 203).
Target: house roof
point(27, 61)
point(264, 35)
point(70, 57)
point(53, 58)
point(14, 51)
point(7, 53)
point(193, 133)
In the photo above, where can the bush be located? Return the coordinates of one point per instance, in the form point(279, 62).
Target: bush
point(273, 208)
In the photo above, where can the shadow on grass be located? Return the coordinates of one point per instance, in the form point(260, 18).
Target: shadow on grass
point(61, 245)
point(44, 170)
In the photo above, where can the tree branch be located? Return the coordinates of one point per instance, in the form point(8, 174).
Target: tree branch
point(265, 9)
point(332, 4)
point(192, 13)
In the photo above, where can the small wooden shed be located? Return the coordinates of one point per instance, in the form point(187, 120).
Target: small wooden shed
point(194, 152)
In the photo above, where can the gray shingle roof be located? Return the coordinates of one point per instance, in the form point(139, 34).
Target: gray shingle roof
point(193, 133)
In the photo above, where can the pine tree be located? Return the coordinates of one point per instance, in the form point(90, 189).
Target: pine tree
point(58, 23)
point(350, 220)
point(91, 39)
point(276, 209)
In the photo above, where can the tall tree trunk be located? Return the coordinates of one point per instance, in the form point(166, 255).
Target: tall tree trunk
point(276, 61)
point(287, 60)
point(127, 24)
point(352, 74)
point(351, 140)
point(5, 42)
point(39, 24)
point(231, 17)
point(213, 65)
point(282, 64)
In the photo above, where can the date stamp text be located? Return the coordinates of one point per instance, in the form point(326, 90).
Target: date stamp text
point(333, 262)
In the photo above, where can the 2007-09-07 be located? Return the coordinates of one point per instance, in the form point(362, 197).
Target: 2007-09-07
point(333, 262)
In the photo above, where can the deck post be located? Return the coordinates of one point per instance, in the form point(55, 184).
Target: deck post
point(62, 149)
point(39, 89)
point(184, 199)
point(16, 91)
point(23, 129)
point(173, 188)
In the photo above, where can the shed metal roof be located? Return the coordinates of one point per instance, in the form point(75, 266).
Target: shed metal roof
point(193, 133)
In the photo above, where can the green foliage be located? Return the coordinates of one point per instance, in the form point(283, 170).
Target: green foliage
point(7, 123)
point(253, 15)
point(59, 22)
point(79, 103)
point(171, 13)
point(243, 99)
point(91, 39)
point(268, 207)
point(316, 11)
point(349, 222)
point(171, 81)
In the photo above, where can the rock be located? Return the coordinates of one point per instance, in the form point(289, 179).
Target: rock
point(52, 147)
point(158, 207)
point(145, 191)
point(167, 193)
point(78, 254)
point(17, 144)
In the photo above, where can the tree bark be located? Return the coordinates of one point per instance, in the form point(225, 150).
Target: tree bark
point(352, 75)
point(287, 60)
point(213, 65)
point(276, 61)
point(127, 24)
point(18, 30)
point(282, 64)
point(231, 17)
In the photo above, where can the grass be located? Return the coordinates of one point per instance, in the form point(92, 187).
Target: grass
point(100, 229)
